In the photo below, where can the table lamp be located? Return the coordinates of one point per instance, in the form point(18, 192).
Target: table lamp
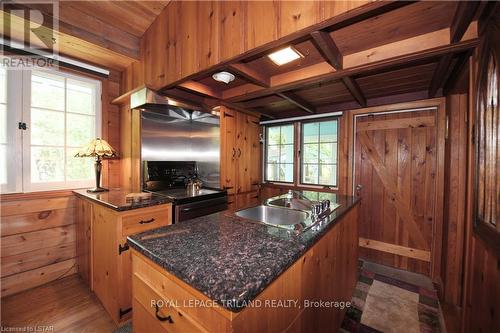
point(99, 149)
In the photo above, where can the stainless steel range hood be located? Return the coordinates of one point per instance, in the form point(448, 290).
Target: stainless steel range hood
point(150, 100)
point(173, 130)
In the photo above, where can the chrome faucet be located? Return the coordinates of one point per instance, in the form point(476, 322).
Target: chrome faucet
point(317, 208)
point(320, 208)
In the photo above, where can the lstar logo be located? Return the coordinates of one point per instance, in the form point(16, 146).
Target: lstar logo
point(30, 29)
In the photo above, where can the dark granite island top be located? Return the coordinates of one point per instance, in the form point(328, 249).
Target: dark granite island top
point(116, 199)
point(227, 258)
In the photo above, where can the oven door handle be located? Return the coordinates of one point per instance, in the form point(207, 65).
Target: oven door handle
point(186, 209)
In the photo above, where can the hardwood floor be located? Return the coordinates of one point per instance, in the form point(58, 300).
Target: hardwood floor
point(65, 304)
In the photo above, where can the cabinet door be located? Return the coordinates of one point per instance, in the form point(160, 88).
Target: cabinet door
point(255, 152)
point(248, 152)
point(83, 239)
point(228, 150)
point(125, 281)
point(243, 153)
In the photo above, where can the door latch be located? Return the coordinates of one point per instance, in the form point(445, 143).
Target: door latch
point(22, 126)
point(122, 248)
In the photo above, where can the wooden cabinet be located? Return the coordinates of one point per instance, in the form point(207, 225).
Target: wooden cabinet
point(240, 152)
point(326, 272)
point(103, 254)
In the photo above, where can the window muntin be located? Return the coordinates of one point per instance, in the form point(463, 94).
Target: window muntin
point(62, 113)
point(280, 161)
point(3, 127)
point(319, 153)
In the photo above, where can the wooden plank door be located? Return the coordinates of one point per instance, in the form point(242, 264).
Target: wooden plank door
point(395, 172)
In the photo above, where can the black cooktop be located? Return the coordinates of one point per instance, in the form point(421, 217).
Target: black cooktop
point(182, 196)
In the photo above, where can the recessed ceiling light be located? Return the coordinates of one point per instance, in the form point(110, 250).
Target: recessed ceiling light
point(225, 77)
point(284, 56)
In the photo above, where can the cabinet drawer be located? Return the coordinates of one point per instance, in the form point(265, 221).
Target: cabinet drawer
point(166, 285)
point(146, 219)
point(154, 311)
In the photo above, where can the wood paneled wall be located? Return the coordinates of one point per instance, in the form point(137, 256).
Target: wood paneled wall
point(188, 37)
point(38, 243)
point(455, 187)
point(483, 296)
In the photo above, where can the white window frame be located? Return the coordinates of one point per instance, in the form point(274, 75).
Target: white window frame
point(19, 93)
point(14, 135)
point(294, 164)
point(301, 157)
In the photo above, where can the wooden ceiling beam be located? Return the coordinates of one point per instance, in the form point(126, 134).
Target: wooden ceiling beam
point(331, 53)
point(355, 90)
point(250, 74)
point(456, 71)
point(204, 96)
point(463, 17)
point(200, 89)
point(298, 101)
point(327, 48)
point(374, 67)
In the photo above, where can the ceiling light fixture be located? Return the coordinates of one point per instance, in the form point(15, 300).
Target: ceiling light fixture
point(225, 77)
point(284, 56)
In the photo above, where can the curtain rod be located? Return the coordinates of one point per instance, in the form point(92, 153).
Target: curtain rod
point(17, 48)
point(313, 116)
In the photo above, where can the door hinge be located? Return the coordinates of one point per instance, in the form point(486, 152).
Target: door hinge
point(122, 248)
point(122, 313)
point(22, 126)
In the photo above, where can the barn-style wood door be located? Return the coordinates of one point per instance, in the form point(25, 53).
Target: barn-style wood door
point(396, 162)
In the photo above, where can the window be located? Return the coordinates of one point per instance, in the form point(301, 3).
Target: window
point(280, 153)
point(62, 113)
point(319, 153)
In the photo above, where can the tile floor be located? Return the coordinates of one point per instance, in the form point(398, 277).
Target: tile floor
point(391, 300)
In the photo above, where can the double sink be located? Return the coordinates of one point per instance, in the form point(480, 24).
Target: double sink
point(287, 212)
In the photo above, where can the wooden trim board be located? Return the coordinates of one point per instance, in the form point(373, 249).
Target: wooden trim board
point(395, 249)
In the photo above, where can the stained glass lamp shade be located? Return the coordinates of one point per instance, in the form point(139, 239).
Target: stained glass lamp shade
point(99, 149)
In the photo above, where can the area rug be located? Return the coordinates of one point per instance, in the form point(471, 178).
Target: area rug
point(385, 304)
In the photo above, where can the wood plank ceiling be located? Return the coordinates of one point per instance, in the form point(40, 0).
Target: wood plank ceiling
point(348, 67)
point(105, 33)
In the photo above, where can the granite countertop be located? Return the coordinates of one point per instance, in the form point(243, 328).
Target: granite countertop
point(227, 258)
point(116, 199)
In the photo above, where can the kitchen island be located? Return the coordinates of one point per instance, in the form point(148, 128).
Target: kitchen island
point(223, 273)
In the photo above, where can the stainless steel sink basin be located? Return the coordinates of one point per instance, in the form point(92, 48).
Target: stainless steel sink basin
point(274, 215)
point(294, 203)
